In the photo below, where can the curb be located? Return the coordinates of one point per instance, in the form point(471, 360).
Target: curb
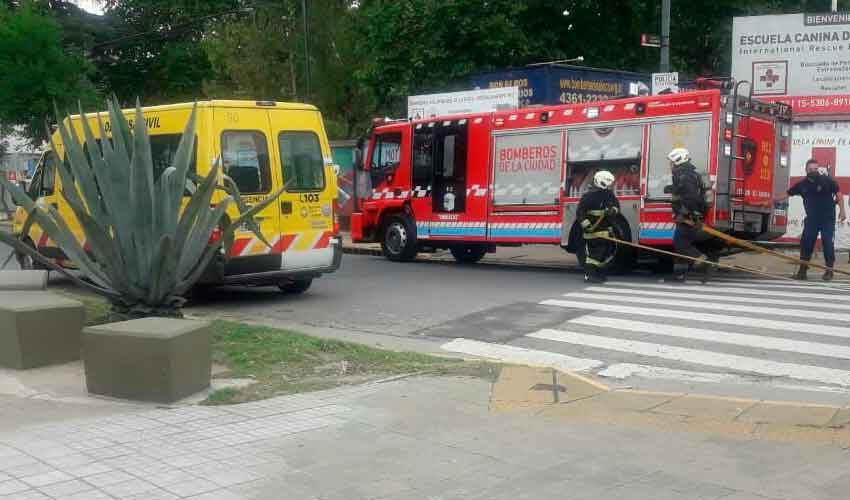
point(377, 252)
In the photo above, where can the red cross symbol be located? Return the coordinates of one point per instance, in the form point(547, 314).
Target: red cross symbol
point(769, 78)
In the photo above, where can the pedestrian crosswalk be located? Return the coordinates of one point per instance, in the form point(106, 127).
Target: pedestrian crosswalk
point(794, 335)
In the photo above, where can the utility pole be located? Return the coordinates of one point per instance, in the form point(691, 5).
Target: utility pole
point(306, 50)
point(665, 36)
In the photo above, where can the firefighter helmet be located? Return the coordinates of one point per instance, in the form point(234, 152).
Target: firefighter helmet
point(603, 179)
point(679, 156)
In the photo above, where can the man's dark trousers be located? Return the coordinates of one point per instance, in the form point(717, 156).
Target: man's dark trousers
point(811, 227)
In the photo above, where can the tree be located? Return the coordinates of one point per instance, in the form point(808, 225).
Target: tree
point(160, 57)
point(413, 46)
point(255, 56)
point(35, 71)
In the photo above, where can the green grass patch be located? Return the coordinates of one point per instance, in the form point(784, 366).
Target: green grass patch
point(285, 362)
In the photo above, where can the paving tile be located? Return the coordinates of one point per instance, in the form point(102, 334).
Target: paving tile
point(89, 495)
point(46, 479)
point(217, 495)
point(62, 490)
point(170, 477)
point(88, 470)
point(194, 487)
point(11, 462)
point(71, 460)
point(30, 495)
point(706, 407)
point(13, 486)
point(153, 495)
point(186, 460)
point(108, 478)
point(841, 419)
point(789, 414)
point(128, 488)
point(29, 470)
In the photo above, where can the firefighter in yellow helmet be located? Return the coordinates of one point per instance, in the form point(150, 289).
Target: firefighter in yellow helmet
point(595, 211)
point(689, 209)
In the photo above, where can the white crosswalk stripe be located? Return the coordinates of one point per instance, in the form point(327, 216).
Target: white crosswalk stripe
point(791, 326)
point(718, 297)
point(776, 334)
point(700, 357)
point(731, 291)
point(710, 306)
point(685, 332)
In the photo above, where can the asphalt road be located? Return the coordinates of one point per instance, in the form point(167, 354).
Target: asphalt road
point(737, 336)
point(370, 294)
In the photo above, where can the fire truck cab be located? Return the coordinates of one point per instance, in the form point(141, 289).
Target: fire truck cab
point(470, 183)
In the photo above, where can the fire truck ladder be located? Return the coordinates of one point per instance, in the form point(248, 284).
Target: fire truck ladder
point(732, 171)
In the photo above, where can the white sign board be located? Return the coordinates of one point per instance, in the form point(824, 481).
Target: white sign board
point(472, 101)
point(793, 54)
point(665, 82)
point(829, 144)
point(527, 168)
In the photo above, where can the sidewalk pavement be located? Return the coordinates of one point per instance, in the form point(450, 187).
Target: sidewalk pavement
point(430, 438)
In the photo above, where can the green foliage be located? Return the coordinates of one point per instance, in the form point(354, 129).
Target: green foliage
point(414, 46)
point(35, 71)
point(144, 251)
point(160, 57)
point(255, 55)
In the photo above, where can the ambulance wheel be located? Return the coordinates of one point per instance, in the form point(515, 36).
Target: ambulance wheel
point(468, 254)
point(25, 260)
point(295, 286)
point(399, 240)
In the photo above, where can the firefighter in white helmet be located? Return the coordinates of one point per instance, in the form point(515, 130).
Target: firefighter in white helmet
point(689, 209)
point(595, 211)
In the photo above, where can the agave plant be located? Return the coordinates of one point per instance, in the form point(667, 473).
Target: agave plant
point(144, 250)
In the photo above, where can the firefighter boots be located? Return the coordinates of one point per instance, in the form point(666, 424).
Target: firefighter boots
point(594, 276)
point(708, 271)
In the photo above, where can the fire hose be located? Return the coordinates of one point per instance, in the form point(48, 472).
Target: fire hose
point(734, 241)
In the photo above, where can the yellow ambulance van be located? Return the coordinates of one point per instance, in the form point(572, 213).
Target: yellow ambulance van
point(262, 146)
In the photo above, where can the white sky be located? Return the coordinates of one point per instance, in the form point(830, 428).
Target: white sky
point(92, 6)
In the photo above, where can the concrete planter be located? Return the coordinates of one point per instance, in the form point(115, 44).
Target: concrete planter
point(23, 280)
point(39, 329)
point(151, 359)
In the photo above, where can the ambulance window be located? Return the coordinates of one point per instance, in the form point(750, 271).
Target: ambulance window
point(663, 137)
point(48, 174)
point(616, 149)
point(423, 156)
point(163, 149)
point(301, 158)
point(386, 153)
point(245, 157)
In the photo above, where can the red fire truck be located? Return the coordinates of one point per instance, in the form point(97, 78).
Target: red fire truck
point(470, 183)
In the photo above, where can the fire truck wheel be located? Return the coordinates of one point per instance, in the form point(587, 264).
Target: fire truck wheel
point(399, 241)
point(468, 254)
point(296, 286)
